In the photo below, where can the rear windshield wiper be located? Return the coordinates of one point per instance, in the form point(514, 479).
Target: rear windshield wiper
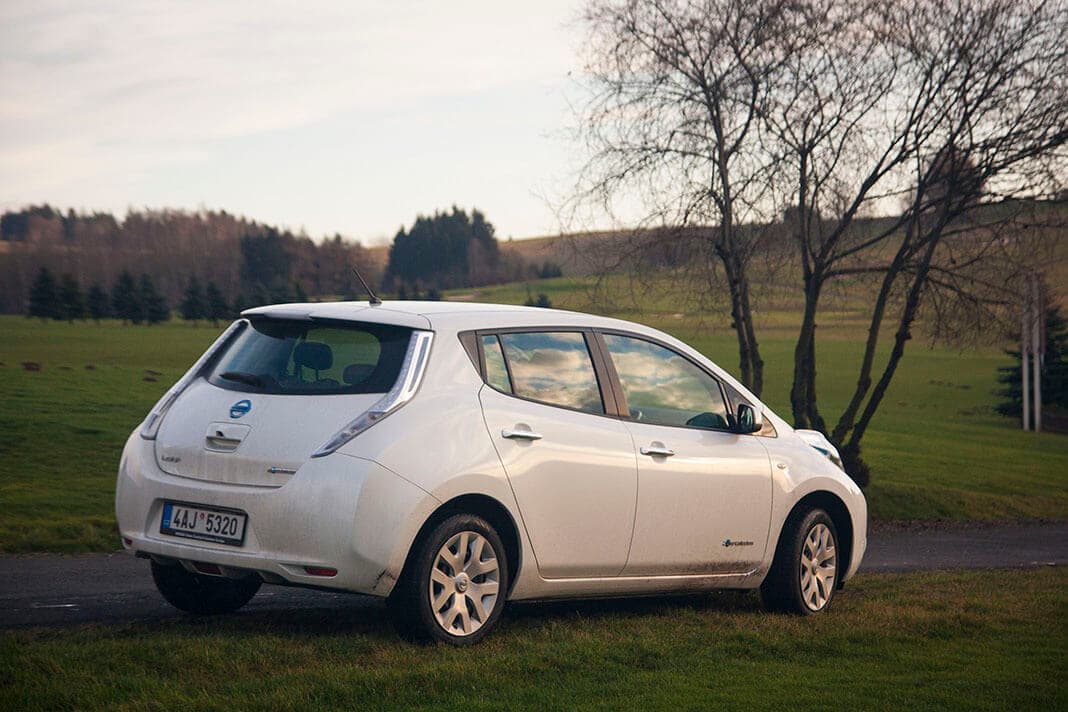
point(250, 379)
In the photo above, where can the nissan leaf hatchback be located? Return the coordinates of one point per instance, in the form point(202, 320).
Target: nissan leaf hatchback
point(450, 457)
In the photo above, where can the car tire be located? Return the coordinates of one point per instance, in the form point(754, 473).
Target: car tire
point(454, 584)
point(203, 595)
point(805, 572)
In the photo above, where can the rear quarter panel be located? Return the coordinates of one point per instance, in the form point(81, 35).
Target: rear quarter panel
point(438, 443)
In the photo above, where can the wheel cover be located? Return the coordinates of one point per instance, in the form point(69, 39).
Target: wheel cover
point(819, 564)
point(464, 583)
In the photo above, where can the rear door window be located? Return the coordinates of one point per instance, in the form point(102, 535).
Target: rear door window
point(283, 356)
point(496, 370)
point(554, 368)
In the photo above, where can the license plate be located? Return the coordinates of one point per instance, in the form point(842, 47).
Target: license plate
point(194, 521)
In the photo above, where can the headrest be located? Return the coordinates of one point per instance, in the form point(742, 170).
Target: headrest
point(314, 355)
point(357, 373)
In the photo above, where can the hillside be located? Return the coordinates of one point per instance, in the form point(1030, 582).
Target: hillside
point(234, 252)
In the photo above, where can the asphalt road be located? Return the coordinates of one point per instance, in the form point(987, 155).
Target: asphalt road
point(52, 590)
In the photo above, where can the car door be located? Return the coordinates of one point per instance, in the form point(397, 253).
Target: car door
point(572, 469)
point(704, 492)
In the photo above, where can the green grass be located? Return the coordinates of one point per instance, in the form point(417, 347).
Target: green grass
point(937, 449)
point(977, 640)
point(62, 428)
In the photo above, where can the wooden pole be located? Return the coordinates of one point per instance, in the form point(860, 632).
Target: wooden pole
point(1036, 352)
point(1025, 360)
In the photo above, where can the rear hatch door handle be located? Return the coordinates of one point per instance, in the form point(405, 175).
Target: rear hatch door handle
point(225, 437)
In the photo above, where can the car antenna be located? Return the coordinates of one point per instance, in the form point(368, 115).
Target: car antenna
point(375, 301)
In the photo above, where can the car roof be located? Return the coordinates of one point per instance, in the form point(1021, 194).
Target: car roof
point(466, 316)
point(441, 315)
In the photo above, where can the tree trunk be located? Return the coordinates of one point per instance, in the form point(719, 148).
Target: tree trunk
point(750, 364)
point(903, 334)
point(803, 391)
point(734, 264)
point(847, 419)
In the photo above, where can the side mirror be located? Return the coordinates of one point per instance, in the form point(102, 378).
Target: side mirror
point(748, 419)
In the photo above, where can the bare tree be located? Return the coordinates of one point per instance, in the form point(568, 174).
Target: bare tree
point(678, 91)
point(962, 107)
point(826, 117)
point(949, 119)
point(999, 108)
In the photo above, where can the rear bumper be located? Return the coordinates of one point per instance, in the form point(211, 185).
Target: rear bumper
point(337, 512)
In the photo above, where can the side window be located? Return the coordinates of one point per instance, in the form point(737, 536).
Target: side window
point(663, 388)
point(553, 368)
point(496, 371)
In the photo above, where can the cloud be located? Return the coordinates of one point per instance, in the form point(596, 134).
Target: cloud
point(109, 88)
point(661, 381)
point(554, 368)
point(208, 68)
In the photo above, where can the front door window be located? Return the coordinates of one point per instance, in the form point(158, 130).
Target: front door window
point(663, 388)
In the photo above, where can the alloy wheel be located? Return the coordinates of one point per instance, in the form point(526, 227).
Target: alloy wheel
point(464, 583)
point(819, 566)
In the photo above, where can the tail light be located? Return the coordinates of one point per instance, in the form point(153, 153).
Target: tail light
point(411, 374)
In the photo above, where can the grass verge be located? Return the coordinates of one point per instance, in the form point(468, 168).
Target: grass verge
point(976, 640)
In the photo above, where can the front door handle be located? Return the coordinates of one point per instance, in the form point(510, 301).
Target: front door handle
point(657, 449)
point(520, 434)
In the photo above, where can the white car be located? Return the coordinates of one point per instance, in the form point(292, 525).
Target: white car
point(454, 456)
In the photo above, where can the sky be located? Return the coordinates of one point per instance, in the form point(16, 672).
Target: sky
point(331, 117)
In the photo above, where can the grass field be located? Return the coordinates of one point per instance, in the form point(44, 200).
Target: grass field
point(937, 449)
point(979, 640)
point(62, 428)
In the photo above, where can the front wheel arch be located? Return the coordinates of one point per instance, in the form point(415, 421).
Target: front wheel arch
point(839, 514)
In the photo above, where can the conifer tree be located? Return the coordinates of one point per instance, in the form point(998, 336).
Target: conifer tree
point(1054, 371)
point(126, 299)
point(278, 295)
point(217, 308)
point(242, 302)
point(44, 296)
point(193, 305)
point(154, 306)
point(71, 300)
point(97, 302)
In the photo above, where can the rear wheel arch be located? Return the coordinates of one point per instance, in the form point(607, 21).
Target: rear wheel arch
point(492, 511)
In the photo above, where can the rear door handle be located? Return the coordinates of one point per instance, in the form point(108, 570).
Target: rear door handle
point(657, 450)
point(520, 434)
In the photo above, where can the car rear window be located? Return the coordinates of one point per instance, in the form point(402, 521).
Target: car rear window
point(290, 357)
